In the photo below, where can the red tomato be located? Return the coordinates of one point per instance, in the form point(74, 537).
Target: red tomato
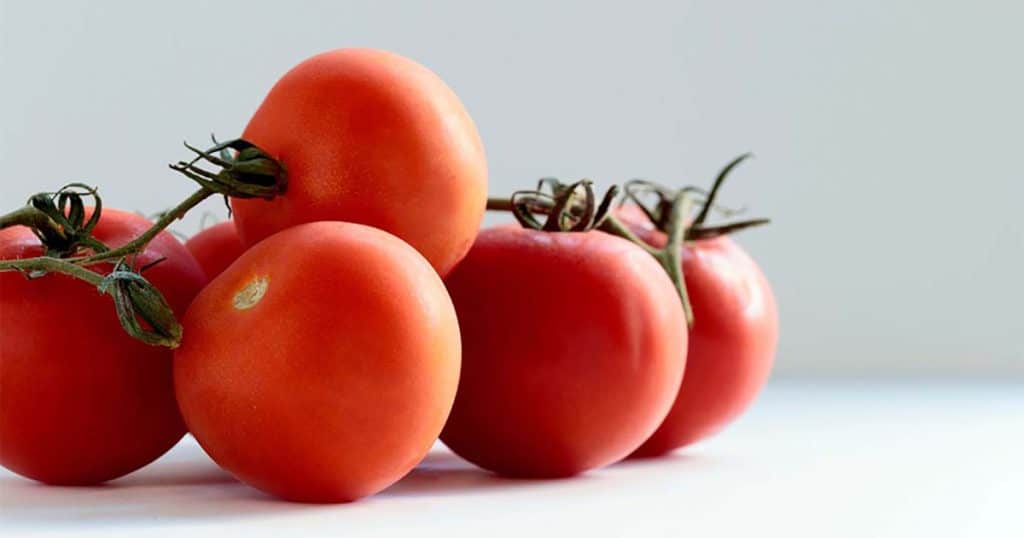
point(216, 247)
point(371, 137)
point(81, 402)
point(732, 341)
point(574, 345)
point(321, 365)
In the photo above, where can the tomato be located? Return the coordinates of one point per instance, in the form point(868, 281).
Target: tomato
point(321, 365)
point(371, 137)
point(732, 340)
point(574, 345)
point(81, 402)
point(216, 247)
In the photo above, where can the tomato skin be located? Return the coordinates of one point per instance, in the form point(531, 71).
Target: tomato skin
point(732, 340)
point(368, 136)
point(573, 350)
point(337, 381)
point(216, 247)
point(81, 402)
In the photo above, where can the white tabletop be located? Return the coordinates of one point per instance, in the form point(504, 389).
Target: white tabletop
point(811, 459)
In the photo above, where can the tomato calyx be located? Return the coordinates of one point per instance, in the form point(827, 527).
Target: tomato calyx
point(135, 300)
point(58, 219)
point(569, 208)
point(246, 171)
point(638, 189)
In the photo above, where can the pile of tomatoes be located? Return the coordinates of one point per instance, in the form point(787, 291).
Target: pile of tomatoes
point(331, 334)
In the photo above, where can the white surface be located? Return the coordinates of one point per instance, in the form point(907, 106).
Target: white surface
point(835, 460)
point(887, 132)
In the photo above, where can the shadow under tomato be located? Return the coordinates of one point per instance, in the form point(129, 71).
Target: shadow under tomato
point(189, 487)
point(176, 474)
point(679, 458)
point(186, 485)
point(444, 473)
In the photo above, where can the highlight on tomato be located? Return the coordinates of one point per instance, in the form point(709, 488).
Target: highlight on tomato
point(371, 137)
point(81, 401)
point(574, 345)
point(216, 247)
point(321, 365)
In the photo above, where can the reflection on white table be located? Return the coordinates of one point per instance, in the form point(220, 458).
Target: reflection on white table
point(811, 459)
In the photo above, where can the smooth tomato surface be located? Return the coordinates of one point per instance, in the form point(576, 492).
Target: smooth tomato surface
point(321, 365)
point(216, 247)
point(732, 341)
point(81, 402)
point(574, 345)
point(371, 137)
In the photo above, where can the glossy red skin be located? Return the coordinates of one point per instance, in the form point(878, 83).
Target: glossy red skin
point(216, 247)
point(574, 345)
point(732, 341)
point(81, 402)
point(371, 137)
point(338, 380)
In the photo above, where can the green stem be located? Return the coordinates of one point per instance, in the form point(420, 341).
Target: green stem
point(670, 255)
point(711, 232)
point(139, 243)
point(614, 226)
point(497, 203)
point(31, 217)
point(709, 202)
point(52, 265)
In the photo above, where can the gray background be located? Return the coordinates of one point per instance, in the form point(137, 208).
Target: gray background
point(888, 132)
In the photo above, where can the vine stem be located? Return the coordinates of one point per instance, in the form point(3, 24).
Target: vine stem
point(139, 243)
point(57, 265)
point(31, 217)
point(670, 257)
point(495, 203)
point(73, 266)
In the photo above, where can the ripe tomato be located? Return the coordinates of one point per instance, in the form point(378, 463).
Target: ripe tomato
point(216, 247)
point(321, 365)
point(371, 137)
point(574, 345)
point(732, 341)
point(81, 402)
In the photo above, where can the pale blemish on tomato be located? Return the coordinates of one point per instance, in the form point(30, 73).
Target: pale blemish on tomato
point(251, 294)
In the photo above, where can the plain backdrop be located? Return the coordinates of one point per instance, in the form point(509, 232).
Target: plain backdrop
point(887, 132)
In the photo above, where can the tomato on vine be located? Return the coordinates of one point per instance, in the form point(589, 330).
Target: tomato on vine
point(728, 304)
point(81, 401)
point(574, 345)
point(734, 319)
